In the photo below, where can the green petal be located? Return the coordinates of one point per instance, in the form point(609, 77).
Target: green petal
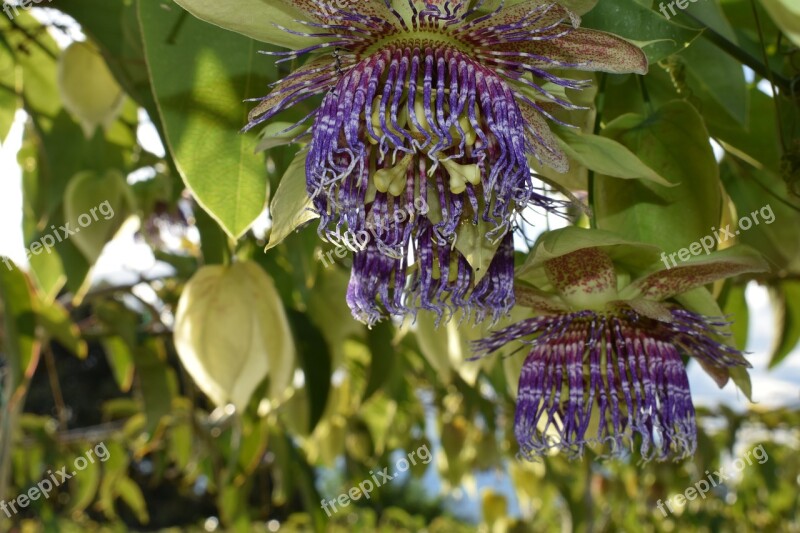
point(590, 50)
point(537, 300)
point(696, 272)
point(254, 18)
point(545, 144)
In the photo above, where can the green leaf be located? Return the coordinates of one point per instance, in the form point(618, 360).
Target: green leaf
point(114, 469)
point(433, 344)
point(635, 22)
point(84, 486)
point(120, 359)
point(156, 382)
point(201, 76)
point(786, 304)
point(673, 142)
point(329, 312)
point(130, 493)
point(605, 156)
point(254, 18)
point(719, 76)
point(291, 206)
point(705, 73)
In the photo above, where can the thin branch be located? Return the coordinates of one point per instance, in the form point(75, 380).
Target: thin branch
point(55, 387)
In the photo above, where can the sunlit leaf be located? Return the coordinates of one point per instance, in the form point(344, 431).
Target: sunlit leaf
point(231, 331)
point(201, 76)
point(674, 143)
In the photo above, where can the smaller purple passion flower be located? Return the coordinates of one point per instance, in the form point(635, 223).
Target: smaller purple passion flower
point(438, 101)
point(605, 364)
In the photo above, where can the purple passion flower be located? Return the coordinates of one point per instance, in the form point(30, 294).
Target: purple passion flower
point(605, 365)
point(434, 102)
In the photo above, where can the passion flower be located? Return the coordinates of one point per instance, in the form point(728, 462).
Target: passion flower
point(444, 101)
point(605, 364)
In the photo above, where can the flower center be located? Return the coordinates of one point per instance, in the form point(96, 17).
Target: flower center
point(435, 38)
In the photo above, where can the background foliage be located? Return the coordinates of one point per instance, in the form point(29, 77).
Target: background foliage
point(87, 362)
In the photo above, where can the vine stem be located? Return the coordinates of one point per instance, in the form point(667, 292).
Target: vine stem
point(770, 76)
point(600, 105)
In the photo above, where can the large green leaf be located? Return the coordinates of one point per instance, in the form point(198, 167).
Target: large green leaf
point(254, 18)
point(201, 75)
point(605, 156)
point(719, 76)
point(674, 143)
point(658, 36)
